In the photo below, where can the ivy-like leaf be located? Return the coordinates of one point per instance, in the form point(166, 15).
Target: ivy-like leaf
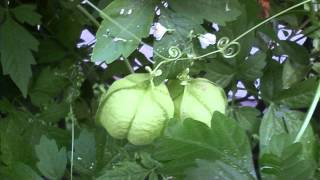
point(16, 46)
point(299, 95)
point(289, 163)
point(224, 11)
point(41, 92)
point(247, 118)
point(15, 143)
point(271, 81)
point(125, 170)
point(27, 14)
point(297, 64)
point(85, 153)
point(54, 112)
point(20, 171)
point(218, 71)
point(178, 39)
point(278, 121)
point(52, 161)
point(208, 170)
point(252, 68)
point(184, 142)
point(135, 16)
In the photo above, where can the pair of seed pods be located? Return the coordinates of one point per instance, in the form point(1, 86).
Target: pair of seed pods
point(134, 109)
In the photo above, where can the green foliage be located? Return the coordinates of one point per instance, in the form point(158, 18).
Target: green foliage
point(21, 171)
point(16, 43)
point(287, 164)
point(85, 153)
point(280, 157)
point(179, 38)
point(224, 10)
point(27, 14)
point(52, 161)
point(214, 170)
point(248, 118)
point(51, 83)
point(224, 142)
point(112, 41)
point(125, 170)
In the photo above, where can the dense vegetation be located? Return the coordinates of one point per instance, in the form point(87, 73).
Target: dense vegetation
point(51, 83)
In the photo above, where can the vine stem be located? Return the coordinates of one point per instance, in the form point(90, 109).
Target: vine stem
point(72, 141)
point(86, 13)
point(309, 115)
point(260, 24)
point(167, 60)
point(269, 19)
point(243, 34)
point(126, 61)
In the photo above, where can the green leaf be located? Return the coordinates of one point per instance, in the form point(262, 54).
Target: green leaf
point(116, 68)
point(279, 157)
point(278, 121)
point(224, 11)
point(54, 112)
point(297, 64)
point(316, 67)
point(85, 153)
point(299, 95)
point(124, 171)
point(179, 38)
point(208, 170)
point(50, 51)
point(2, 14)
point(292, 73)
point(42, 92)
point(147, 161)
point(297, 53)
point(218, 71)
point(67, 28)
point(135, 16)
point(288, 164)
point(184, 142)
point(52, 161)
point(20, 171)
point(6, 106)
point(15, 143)
point(252, 68)
point(247, 118)
point(27, 14)
point(16, 48)
point(271, 125)
point(271, 81)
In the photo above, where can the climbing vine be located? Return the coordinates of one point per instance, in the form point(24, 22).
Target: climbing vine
point(152, 89)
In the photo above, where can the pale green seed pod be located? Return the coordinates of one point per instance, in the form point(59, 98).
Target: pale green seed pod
point(197, 99)
point(135, 109)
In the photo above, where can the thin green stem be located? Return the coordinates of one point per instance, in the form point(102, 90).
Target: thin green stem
point(167, 60)
point(245, 33)
point(309, 114)
point(72, 141)
point(269, 19)
point(86, 13)
point(126, 61)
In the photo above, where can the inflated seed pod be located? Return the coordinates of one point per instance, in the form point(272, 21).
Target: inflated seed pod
point(135, 109)
point(197, 99)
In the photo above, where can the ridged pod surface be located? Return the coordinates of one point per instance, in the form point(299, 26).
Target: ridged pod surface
point(197, 99)
point(134, 109)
